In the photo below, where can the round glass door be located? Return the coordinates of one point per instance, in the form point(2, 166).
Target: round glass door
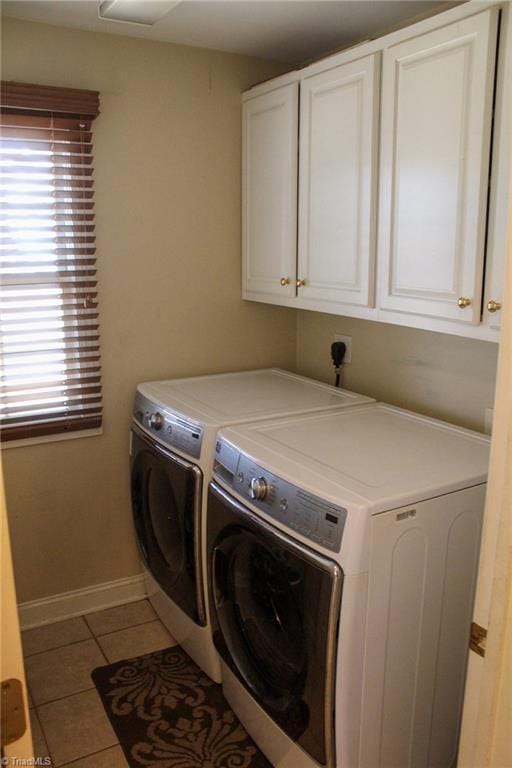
point(275, 609)
point(166, 496)
point(164, 519)
point(258, 611)
point(137, 488)
point(268, 615)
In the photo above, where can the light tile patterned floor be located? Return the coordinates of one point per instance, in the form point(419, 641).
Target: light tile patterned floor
point(68, 719)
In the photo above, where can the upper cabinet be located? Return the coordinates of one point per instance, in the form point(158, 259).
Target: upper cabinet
point(437, 92)
point(396, 210)
point(337, 179)
point(269, 192)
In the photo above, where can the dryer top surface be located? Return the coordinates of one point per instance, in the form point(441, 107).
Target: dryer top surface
point(374, 456)
point(246, 396)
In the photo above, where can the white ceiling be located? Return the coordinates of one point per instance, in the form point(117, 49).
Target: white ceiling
point(291, 31)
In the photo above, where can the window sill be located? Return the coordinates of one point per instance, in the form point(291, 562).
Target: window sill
point(27, 441)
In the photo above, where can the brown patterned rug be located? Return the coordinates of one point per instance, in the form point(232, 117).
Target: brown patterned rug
point(168, 714)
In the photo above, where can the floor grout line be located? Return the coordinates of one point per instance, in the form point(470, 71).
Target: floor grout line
point(101, 649)
point(29, 692)
point(84, 617)
point(36, 713)
point(93, 635)
point(130, 626)
point(59, 647)
point(76, 759)
point(115, 607)
point(67, 696)
point(36, 707)
point(91, 754)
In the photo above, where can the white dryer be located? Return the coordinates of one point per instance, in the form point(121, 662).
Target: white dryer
point(172, 447)
point(343, 551)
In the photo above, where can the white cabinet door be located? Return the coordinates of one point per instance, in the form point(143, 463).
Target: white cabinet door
point(436, 122)
point(337, 161)
point(501, 181)
point(269, 193)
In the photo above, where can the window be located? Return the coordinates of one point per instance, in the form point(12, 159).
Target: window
point(49, 337)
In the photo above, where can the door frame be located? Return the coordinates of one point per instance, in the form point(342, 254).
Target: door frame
point(485, 736)
point(11, 654)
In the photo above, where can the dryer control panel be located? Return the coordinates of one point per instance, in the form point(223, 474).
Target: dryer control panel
point(170, 429)
point(316, 519)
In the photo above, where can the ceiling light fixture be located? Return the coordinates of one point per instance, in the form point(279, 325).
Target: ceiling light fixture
point(145, 12)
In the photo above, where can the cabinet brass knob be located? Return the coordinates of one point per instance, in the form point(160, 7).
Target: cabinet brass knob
point(300, 283)
point(463, 302)
point(493, 306)
point(285, 281)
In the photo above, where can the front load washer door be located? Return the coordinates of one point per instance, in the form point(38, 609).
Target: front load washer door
point(276, 609)
point(166, 504)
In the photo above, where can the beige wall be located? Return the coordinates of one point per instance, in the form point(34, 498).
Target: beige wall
point(167, 149)
point(167, 158)
point(448, 377)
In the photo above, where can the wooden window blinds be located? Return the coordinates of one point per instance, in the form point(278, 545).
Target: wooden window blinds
point(49, 337)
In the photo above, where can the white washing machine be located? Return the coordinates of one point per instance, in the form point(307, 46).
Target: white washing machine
point(343, 551)
point(172, 447)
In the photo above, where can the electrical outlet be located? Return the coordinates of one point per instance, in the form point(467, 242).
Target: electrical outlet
point(347, 340)
point(489, 413)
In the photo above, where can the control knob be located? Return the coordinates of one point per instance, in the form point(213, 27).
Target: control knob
point(156, 421)
point(258, 488)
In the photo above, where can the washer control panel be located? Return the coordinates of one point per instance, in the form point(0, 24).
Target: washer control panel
point(313, 517)
point(172, 430)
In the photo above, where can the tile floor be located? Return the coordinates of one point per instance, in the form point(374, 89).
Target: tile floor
point(67, 716)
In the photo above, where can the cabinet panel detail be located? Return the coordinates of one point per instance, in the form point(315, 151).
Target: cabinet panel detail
point(337, 162)
point(436, 123)
point(269, 211)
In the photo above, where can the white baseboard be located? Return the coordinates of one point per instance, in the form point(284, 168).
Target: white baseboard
point(35, 613)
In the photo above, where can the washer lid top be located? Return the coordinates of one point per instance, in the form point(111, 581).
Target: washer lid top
point(245, 396)
point(374, 456)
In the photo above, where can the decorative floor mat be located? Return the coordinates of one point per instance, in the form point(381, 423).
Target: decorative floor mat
point(168, 714)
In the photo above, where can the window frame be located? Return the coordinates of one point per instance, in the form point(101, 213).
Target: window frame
point(59, 120)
